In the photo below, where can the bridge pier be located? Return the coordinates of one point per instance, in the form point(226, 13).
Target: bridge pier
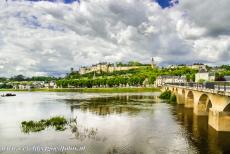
point(209, 103)
point(200, 110)
point(188, 103)
point(219, 120)
point(202, 105)
point(180, 99)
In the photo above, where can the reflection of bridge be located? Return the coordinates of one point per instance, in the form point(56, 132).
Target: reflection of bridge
point(210, 99)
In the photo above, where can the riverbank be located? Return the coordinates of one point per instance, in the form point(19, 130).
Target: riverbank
point(90, 90)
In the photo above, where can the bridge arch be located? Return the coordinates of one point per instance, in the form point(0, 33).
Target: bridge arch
point(203, 106)
point(189, 102)
point(176, 91)
point(227, 108)
point(183, 95)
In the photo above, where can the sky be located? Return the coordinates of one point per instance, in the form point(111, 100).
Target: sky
point(49, 37)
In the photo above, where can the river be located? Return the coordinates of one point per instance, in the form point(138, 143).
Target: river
point(132, 123)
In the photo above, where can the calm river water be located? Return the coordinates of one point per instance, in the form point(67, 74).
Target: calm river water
point(132, 123)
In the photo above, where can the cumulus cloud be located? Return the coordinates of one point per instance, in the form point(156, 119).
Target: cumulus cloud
point(211, 14)
point(49, 38)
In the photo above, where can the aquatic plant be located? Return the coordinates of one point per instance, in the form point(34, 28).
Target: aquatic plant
point(32, 126)
point(57, 122)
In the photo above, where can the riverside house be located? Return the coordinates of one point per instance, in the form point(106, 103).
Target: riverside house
point(161, 80)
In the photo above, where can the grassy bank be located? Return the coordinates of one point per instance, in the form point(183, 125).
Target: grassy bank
point(91, 90)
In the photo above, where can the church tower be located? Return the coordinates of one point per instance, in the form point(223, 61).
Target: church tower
point(153, 65)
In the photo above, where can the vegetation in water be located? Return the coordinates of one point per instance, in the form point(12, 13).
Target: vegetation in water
point(168, 95)
point(165, 95)
point(173, 98)
point(57, 122)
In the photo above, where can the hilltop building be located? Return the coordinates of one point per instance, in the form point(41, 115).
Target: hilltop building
point(105, 67)
point(196, 66)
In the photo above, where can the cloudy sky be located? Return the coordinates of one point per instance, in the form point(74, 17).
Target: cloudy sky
point(48, 37)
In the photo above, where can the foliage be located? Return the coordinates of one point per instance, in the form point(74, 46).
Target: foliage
point(201, 81)
point(92, 90)
point(226, 67)
point(169, 96)
point(3, 79)
point(34, 78)
point(133, 77)
point(18, 78)
point(173, 98)
point(42, 78)
point(131, 63)
point(35, 126)
point(219, 77)
point(165, 95)
point(101, 82)
point(5, 86)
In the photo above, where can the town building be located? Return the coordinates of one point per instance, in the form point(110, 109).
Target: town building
point(161, 80)
point(204, 75)
point(198, 66)
point(33, 85)
point(227, 77)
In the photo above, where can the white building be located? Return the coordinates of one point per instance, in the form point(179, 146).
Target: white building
point(227, 78)
point(24, 87)
point(198, 67)
point(161, 80)
point(51, 84)
point(207, 76)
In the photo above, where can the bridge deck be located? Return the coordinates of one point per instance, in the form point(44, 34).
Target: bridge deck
point(214, 88)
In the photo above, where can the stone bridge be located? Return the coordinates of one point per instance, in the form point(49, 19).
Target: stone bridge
point(212, 102)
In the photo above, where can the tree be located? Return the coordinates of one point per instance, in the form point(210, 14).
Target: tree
point(18, 78)
point(219, 77)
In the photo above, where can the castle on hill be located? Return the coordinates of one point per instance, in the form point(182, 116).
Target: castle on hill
point(105, 67)
point(108, 68)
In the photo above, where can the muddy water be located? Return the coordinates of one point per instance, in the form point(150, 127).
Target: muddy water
point(107, 123)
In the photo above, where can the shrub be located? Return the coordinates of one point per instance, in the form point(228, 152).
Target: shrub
point(169, 96)
point(173, 98)
point(165, 95)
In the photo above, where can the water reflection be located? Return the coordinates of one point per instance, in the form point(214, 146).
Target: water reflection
point(82, 133)
point(200, 134)
point(117, 104)
point(111, 123)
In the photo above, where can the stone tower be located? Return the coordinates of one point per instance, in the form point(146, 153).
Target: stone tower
point(153, 65)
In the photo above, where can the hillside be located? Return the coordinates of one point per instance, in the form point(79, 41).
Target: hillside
point(134, 77)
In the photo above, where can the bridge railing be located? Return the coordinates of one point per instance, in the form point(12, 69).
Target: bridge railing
point(219, 85)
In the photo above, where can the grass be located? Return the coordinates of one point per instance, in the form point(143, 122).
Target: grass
point(11, 90)
point(57, 122)
point(90, 90)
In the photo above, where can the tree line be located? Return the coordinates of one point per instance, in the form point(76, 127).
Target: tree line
point(102, 82)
